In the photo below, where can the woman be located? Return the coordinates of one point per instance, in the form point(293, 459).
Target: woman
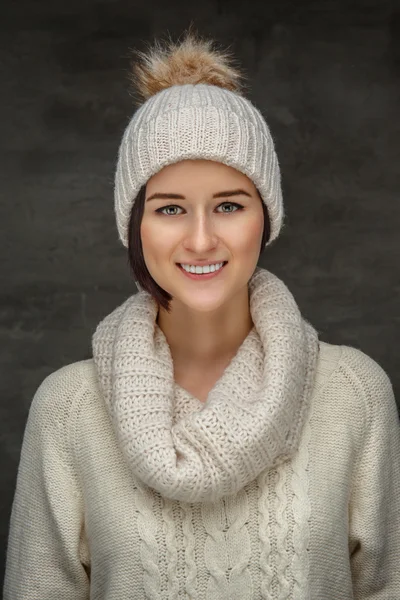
point(213, 447)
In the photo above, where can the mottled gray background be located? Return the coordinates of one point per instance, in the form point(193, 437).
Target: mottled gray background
point(326, 76)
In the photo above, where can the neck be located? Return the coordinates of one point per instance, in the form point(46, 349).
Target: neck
point(200, 340)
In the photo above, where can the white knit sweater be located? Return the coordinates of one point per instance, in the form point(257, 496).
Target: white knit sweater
point(296, 499)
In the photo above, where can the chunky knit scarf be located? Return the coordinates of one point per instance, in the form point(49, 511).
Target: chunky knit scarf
point(252, 419)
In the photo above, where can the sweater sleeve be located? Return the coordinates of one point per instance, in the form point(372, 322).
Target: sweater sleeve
point(46, 544)
point(374, 506)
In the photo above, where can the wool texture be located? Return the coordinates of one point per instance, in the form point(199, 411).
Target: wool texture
point(322, 524)
point(197, 122)
point(253, 417)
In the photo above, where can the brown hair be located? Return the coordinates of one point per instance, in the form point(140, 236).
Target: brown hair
point(135, 250)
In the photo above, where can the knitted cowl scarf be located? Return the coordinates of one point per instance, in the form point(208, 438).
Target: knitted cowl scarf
point(252, 419)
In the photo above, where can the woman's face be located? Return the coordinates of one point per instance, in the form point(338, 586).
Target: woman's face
point(200, 210)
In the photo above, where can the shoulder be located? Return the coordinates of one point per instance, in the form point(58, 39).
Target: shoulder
point(354, 377)
point(58, 393)
point(362, 371)
point(70, 378)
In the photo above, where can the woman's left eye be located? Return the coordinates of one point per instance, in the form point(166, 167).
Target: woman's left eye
point(238, 206)
point(235, 204)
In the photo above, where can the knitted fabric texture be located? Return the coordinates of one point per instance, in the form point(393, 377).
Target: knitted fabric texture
point(253, 417)
point(197, 122)
point(324, 525)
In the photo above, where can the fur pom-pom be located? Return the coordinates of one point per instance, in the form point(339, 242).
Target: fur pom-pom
point(193, 60)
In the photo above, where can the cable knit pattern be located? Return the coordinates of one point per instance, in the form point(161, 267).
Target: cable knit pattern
point(282, 534)
point(299, 498)
point(171, 548)
point(190, 557)
point(265, 517)
point(147, 529)
point(197, 122)
point(248, 423)
point(227, 549)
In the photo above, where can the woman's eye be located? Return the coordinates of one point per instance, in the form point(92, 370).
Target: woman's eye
point(160, 210)
point(234, 204)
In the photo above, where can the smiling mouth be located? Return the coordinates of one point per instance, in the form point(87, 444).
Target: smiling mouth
point(199, 276)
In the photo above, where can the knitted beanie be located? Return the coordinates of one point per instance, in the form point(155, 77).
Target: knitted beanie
point(193, 109)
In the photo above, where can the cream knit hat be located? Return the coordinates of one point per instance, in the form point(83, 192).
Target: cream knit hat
point(193, 109)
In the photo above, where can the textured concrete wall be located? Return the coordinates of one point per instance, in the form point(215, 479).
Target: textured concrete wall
point(326, 76)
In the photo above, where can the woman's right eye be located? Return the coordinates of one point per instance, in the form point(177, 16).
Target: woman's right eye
point(159, 210)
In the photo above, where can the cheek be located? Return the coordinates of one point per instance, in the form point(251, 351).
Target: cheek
point(149, 232)
point(249, 234)
point(145, 234)
point(154, 240)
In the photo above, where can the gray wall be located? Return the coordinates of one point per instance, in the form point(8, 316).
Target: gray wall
point(326, 76)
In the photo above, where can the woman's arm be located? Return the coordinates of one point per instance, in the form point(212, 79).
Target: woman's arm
point(46, 543)
point(374, 526)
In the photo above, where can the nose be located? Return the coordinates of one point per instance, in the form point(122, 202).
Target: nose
point(201, 236)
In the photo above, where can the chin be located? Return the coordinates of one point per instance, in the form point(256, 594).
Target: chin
point(201, 304)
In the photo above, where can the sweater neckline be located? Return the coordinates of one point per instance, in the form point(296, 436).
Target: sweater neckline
point(253, 417)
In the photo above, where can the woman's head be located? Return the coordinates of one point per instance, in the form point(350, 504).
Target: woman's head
point(194, 135)
point(190, 211)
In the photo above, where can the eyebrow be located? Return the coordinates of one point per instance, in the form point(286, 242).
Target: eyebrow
point(225, 194)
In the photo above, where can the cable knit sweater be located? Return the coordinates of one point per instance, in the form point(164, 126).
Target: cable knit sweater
point(283, 485)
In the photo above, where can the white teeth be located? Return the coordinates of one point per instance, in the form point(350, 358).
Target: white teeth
point(200, 270)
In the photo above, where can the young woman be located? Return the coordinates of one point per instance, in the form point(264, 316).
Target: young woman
point(213, 447)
